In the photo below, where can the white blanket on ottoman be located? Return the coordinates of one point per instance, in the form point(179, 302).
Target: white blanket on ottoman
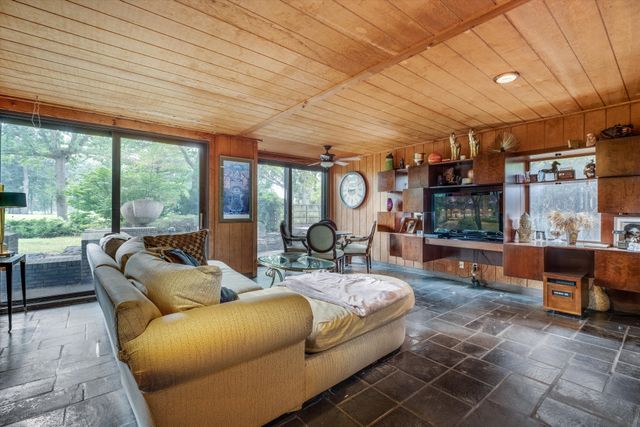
point(358, 293)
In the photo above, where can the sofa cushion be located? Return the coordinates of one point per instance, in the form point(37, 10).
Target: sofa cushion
point(174, 287)
point(192, 243)
point(233, 280)
point(111, 242)
point(333, 325)
point(127, 249)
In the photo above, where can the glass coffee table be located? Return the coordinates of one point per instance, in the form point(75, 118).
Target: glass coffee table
point(291, 261)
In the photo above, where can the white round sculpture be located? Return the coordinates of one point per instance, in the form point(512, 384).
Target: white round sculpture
point(141, 212)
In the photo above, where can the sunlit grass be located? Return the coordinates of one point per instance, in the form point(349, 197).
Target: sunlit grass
point(53, 245)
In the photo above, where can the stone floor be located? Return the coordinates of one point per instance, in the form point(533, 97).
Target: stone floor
point(471, 357)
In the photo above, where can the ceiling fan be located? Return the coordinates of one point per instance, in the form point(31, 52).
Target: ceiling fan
point(327, 159)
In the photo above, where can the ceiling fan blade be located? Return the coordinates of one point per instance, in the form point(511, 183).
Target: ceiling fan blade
point(340, 162)
point(313, 164)
point(350, 159)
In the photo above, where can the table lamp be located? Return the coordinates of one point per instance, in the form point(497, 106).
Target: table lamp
point(8, 200)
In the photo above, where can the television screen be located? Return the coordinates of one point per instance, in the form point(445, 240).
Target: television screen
point(467, 211)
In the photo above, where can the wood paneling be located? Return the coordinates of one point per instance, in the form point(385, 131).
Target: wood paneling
point(297, 74)
point(618, 270)
point(525, 262)
point(488, 168)
point(619, 195)
point(619, 157)
point(232, 243)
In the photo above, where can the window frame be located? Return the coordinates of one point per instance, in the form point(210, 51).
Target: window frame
point(116, 134)
point(288, 191)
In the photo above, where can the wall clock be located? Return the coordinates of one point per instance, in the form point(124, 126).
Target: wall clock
point(353, 189)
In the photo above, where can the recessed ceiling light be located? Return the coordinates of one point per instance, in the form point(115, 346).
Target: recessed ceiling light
point(504, 78)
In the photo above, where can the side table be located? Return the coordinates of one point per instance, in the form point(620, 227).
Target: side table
point(7, 264)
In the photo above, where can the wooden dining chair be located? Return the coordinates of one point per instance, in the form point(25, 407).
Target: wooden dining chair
point(321, 243)
point(290, 242)
point(360, 246)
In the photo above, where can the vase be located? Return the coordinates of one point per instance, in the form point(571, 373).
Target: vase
point(389, 204)
point(572, 237)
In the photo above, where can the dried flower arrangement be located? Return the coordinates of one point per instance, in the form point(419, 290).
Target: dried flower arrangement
point(570, 223)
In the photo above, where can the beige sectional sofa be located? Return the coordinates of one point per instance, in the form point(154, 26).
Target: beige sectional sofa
point(241, 363)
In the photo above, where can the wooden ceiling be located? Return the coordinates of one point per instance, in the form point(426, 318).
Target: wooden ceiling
point(362, 75)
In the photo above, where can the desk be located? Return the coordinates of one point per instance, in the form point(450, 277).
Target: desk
point(7, 263)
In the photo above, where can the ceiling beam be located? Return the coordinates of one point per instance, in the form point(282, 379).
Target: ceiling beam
point(412, 50)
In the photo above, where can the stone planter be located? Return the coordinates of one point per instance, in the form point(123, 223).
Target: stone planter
point(141, 212)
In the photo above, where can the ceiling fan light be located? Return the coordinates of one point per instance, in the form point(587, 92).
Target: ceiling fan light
point(504, 78)
point(326, 165)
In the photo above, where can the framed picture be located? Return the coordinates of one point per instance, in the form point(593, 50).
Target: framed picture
point(236, 189)
point(627, 230)
point(411, 226)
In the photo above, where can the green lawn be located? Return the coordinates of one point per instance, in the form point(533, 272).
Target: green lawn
point(53, 245)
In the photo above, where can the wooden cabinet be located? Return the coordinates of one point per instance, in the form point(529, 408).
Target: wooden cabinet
point(394, 180)
point(526, 262)
point(619, 195)
point(412, 247)
point(567, 293)
point(414, 200)
point(488, 168)
point(618, 157)
point(618, 270)
point(419, 176)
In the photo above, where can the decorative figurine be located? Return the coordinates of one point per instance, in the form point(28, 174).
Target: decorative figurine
point(389, 204)
point(591, 139)
point(526, 229)
point(401, 162)
point(506, 142)
point(455, 146)
point(590, 169)
point(450, 176)
point(418, 158)
point(474, 143)
point(388, 162)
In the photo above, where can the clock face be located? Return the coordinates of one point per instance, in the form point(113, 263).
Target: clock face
point(353, 189)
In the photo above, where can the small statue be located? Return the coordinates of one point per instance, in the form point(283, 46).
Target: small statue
point(598, 298)
point(450, 176)
point(455, 146)
point(590, 169)
point(401, 162)
point(526, 229)
point(591, 139)
point(474, 143)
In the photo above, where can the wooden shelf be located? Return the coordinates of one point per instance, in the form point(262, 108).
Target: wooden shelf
point(556, 182)
point(452, 162)
point(577, 247)
point(441, 187)
point(465, 244)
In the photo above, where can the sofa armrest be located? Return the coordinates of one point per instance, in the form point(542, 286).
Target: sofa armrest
point(182, 346)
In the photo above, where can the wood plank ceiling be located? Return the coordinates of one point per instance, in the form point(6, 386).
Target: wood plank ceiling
point(362, 75)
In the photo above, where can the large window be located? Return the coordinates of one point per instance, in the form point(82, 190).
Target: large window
point(291, 194)
point(568, 196)
point(68, 174)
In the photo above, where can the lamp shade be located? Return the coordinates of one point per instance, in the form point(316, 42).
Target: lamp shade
point(12, 200)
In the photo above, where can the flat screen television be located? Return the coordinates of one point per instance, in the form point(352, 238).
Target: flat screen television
point(467, 211)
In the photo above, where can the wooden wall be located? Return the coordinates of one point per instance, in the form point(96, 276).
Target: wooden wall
point(541, 134)
point(233, 243)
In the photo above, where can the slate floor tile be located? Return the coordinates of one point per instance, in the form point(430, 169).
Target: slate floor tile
point(491, 414)
point(590, 350)
point(376, 372)
point(481, 370)
point(444, 340)
point(421, 368)
point(630, 357)
point(627, 369)
point(600, 404)
point(556, 413)
point(551, 356)
point(484, 340)
point(439, 353)
point(111, 406)
point(34, 406)
point(470, 349)
point(624, 387)
point(345, 389)
point(488, 325)
point(465, 388)
point(324, 413)
point(399, 385)
point(521, 365)
point(585, 377)
point(400, 417)
point(367, 406)
point(519, 393)
point(436, 407)
point(632, 344)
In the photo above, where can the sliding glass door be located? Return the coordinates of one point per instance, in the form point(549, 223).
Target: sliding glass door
point(67, 178)
point(160, 187)
point(291, 194)
point(81, 184)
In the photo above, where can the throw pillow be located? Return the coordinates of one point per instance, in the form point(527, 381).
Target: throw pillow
point(111, 242)
point(127, 249)
point(192, 243)
point(174, 287)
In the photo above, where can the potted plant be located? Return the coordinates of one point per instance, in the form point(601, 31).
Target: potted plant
point(570, 223)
